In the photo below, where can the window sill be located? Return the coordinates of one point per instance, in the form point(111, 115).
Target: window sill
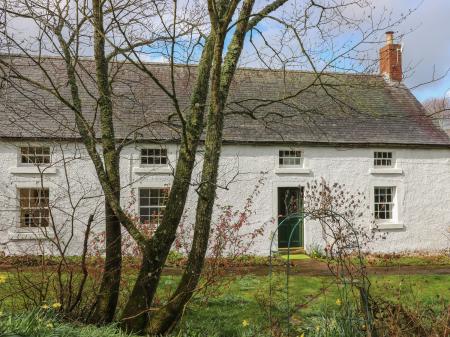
point(388, 226)
point(32, 170)
point(152, 170)
point(392, 170)
point(292, 170)
point(31, 234)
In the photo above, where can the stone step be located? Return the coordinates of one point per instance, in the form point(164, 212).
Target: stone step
point(292, 251)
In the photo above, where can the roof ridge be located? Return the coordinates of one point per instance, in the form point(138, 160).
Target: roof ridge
point(247, 68)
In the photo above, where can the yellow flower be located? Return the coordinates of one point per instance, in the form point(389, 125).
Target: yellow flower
point(318, 328)
point(49, 325)
point(338, 302)
point(245, 323)
point(56, 305)
point(44, 306)
point(3, 278)
point(302, 335)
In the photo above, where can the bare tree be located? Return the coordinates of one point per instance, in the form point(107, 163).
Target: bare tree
point(61, 223)
point(117, 34)
point(438, 109)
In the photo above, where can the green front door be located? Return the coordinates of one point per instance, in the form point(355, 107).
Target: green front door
point(290, 202)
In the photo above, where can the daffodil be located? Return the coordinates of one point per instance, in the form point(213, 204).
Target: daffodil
point(45, 306)
point(245, 323)
point(49, 325)
point(302, 335)
point(3, 278)
point(338, 302)
point(56, 305)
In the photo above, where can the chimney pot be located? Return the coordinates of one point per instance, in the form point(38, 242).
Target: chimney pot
point(390, 37)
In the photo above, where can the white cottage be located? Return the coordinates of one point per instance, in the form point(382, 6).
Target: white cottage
point(365, 131)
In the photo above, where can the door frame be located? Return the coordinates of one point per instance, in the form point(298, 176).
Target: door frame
point(275, 187)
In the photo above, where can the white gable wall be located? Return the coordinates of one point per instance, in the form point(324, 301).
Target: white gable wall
point(422, 191)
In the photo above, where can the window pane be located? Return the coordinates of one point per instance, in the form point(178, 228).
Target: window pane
point(35, 155)
point(34, 207)
point(144, 211)
point(152, 204)
point(383, 202)
point(153, 156)
point(382, 159)
point(289, 158)
point(144, 192)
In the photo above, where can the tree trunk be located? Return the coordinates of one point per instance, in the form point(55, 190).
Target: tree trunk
point(109, 289)
point(136, 313)
point(108, 295)
point(165, 319)
point(134, 317)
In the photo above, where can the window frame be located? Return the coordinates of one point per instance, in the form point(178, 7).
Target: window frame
point(160, 156)
point(393, 204)
point(392, 159)
point(290, 166)
point(21, 155)
point(149, 206)
point(40, 209)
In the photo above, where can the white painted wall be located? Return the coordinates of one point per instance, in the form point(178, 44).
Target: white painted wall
point(422, 198)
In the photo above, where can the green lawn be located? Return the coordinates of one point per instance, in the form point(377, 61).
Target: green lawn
point(412, 260)
point(247, 298)
point(296, 257)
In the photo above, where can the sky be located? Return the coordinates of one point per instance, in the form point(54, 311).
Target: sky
point(426, 45)
point(425, 36)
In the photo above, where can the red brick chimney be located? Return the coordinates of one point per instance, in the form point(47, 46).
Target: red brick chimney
point(391, 59)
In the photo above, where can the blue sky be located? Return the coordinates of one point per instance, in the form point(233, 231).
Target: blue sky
point(426, 43)
point(424, 34)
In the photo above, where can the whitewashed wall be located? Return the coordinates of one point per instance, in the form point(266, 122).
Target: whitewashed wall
point(422, 198)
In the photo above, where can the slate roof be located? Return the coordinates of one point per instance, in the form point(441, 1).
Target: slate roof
point(264, 106)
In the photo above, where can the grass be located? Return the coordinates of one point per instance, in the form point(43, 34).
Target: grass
point(246, 299)
point(40, 324)
point(409, 260)
point(392, 260)
point(296, 257)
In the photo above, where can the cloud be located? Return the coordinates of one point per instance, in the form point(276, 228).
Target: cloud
point(426, 40)
point(426, 43)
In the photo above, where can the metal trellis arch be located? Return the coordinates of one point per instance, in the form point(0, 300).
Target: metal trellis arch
point(300, 216)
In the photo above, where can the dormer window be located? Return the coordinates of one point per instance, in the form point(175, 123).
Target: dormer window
point(35, 155)
point(290, 158)
point(154, 156)
point(383, 159)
